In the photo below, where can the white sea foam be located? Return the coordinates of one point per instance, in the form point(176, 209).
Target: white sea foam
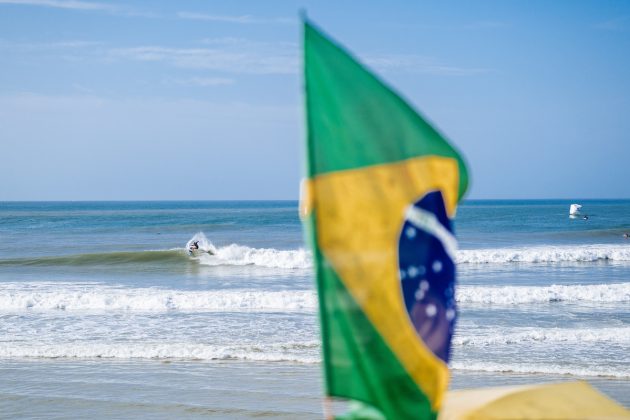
point(240, 255)
point(543, 336)
point(202, 242)
point(510, 295)
point(262, 257)
point(555, 369)
point(307, 352)
point(293, 352)
point(95, 297)
point(545, 254)
point(100, 297)
point(301, 259)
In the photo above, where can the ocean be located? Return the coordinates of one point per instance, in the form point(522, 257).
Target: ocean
point(104, 314)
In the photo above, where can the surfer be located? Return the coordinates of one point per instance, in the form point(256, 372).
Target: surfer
point(585, 217)
point(626, 236)
point(193, 247)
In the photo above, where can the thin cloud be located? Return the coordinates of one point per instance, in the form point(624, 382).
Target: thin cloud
point(53, 45)
point(70, 44)
point(64, 4)
point(239, 19)
point(482, 25)
point(67, 50)
point(409, 63)
point(205, 81)
point(80, 5)
point(250, 45)
point(233, 55)
point(237, 56)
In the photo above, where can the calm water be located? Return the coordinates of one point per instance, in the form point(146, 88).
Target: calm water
point(103, 312)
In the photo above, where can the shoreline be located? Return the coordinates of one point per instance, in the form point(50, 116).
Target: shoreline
point(188, 389)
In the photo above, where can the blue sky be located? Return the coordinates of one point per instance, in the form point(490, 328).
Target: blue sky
point(133, 100)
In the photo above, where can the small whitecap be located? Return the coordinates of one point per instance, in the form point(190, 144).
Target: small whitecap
point(410, 232)
point(431, 310)
point(437, 266)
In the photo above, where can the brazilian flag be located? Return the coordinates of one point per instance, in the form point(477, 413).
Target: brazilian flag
point(381, 192)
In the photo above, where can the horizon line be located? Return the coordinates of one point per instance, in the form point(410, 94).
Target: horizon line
point(288, 199)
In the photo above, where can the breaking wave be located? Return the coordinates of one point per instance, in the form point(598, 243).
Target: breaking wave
point(529, 336)
point(240, 255)
point(298, 352)
point(268, 257)
point(96, 297)
point(511, 295)
point(261, 257)
point(286, 352)
point(231, 255)
point(545, 254)
point(99, 297)
point(540, 368)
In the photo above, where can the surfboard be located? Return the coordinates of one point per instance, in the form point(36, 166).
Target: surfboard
point(198, 252)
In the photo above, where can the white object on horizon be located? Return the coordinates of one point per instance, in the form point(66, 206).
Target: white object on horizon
point(574, 210)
